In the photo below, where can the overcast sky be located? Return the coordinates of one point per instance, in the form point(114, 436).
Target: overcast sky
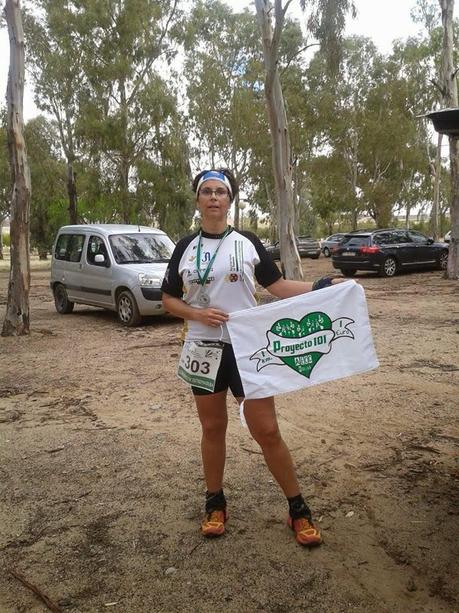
point(382, 21)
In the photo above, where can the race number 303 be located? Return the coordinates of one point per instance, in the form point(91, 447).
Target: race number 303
point(198, 364)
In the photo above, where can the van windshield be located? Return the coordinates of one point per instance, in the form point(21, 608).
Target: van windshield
point(141, 248)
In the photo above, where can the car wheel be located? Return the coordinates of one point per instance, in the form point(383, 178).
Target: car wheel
point(443, 260)
point(389, 267)
point(127, 309)
point(326, 252)
point(61, 300)
point(348, 272)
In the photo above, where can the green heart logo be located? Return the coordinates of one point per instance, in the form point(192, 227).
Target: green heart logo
point(307, 336)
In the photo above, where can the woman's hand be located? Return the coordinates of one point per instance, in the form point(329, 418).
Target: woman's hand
point(211, 317)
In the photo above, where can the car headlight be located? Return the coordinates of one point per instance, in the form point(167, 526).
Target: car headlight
point(147, 280)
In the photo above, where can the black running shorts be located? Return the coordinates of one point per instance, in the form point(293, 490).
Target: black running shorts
point(227, 376)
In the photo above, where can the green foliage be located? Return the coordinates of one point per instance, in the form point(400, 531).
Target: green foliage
point(6, 240)
point(368, 122)
point(5, 174)
point(47, 171)
point(326, 23)
point(93, 63)
point(102, 69)
point(222, 66)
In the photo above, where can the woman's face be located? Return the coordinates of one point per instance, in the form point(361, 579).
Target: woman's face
point(213, 200)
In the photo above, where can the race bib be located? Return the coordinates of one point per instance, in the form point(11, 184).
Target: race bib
point(199, 362)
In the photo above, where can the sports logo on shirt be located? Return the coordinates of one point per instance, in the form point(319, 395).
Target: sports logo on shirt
point(301, 344)
point(232, 277)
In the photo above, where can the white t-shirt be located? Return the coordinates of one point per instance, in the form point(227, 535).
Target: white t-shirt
point(230, 285)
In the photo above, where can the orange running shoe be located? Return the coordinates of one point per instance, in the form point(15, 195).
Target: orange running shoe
point(214, 523)
point(306, 532)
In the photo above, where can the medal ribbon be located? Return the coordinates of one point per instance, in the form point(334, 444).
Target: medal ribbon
point(205, 274)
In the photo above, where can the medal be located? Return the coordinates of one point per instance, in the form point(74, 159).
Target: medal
point(204, 298)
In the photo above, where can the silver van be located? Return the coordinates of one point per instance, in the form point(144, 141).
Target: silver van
point(117, 267)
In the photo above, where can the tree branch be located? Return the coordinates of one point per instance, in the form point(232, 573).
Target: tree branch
point(290, 59)
point(441, 89)
point(155, 55)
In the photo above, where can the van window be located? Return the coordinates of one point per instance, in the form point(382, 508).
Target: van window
point(69, 247)
point(138, 248)
point(96, 246)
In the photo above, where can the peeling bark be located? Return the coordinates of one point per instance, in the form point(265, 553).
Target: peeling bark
point(450, 100)
point(281, 151)
point(17, 318)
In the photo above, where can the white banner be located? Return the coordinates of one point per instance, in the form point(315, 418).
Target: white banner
point(301, 341)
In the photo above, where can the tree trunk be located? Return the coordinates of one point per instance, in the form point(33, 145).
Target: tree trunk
point(280, 140)
point(450, 100)
point(128, 215)
point(434, 226)
point(17, 318)
point(1, 239)
point(72, 194)
point(453, 259)
point(237, 215)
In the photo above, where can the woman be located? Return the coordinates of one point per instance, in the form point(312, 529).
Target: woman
point(212, 273)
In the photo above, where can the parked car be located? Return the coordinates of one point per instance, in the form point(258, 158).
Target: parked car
point(388, 252)
point(329, 243)
point(117, 267)
point(447, 238)
point(307, 248)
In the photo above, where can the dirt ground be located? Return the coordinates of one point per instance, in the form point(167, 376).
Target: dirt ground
point(101, 488)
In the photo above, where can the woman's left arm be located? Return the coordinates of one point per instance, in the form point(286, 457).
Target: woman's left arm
point(286, 288)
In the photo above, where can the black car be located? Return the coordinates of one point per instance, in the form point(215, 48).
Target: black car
point(307, 246)
point(388, 252)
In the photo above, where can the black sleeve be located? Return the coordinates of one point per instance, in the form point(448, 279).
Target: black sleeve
point(266, 271)
point(172, 283)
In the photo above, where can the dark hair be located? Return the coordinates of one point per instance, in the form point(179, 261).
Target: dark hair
point(225, 171)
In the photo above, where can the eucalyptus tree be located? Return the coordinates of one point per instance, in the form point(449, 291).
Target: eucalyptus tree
point(330, 189)
point(325, 23)
point(47, 170)
point(17, 317)
point(367, 116)
point(130, 110)
point(417, 61)
point(5, 179)
point(448, 80)
point(340, 102)
point(222, 68)
point(55, 63)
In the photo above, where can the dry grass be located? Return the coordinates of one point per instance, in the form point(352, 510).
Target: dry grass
point(35, 263)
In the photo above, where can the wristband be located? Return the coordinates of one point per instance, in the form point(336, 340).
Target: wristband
point(322, 282)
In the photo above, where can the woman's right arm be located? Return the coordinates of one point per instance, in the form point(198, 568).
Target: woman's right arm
point(209, 317)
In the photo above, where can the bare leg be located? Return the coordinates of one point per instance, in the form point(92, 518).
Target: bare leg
point(214, 420)
point(262, 422)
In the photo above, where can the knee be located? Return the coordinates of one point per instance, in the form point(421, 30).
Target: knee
point(214, 429)
point(267, 436)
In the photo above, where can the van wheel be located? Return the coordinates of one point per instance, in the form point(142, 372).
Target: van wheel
point(127, 309)
point(61, 300)
point(348, 272)
point(327, 252)
point(389, 267)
